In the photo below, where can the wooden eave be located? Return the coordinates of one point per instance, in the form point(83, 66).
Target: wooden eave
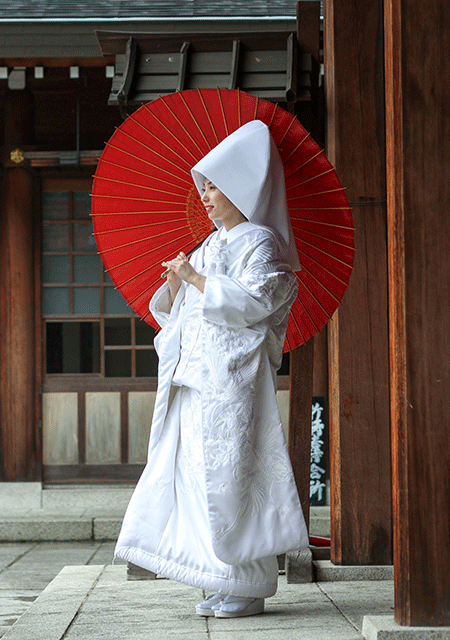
point(148, 65)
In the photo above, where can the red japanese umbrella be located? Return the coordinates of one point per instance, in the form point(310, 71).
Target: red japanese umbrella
point(146, 208)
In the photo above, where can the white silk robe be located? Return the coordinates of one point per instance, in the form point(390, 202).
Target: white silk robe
point(252, 501)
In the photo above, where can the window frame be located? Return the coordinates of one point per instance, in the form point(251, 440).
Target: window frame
point(72, 186)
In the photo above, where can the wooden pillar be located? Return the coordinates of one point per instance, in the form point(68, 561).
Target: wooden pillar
point(358, 333)
point(418, 164)
point(300, 403)
point(301, 358)
point(18, 438)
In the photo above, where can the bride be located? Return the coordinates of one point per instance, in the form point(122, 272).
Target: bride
point(217, 501)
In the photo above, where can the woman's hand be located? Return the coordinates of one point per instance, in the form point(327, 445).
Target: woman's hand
point(174, 283)
point(181, 269)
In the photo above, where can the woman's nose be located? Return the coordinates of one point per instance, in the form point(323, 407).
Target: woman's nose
point(204, 197)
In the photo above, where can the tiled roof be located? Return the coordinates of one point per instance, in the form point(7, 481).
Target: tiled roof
point(142, 9)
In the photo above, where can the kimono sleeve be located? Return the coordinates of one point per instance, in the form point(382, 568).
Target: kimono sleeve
point(265, 287)
point(160, 305)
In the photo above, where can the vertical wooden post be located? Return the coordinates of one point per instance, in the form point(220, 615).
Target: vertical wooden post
point(18, 439)
point(418, 187)
point(300, 402)
point(358, 333)
point(301, 361)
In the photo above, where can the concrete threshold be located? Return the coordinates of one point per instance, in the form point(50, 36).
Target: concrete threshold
point(385, 628)
point(326, 571)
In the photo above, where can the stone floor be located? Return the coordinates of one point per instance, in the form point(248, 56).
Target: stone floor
point(89, 598)
point(27, 568)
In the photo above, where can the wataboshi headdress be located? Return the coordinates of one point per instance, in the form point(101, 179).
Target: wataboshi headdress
point(246, 167)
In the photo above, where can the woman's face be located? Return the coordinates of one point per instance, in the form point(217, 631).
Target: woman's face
point(218, 207)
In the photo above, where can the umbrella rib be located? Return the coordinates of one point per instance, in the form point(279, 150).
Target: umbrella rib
point(307, 162)
point(256, 108)
point(321, 267)
point(325, 253)
point(299, 184)
point(298, 327)
point(339, 244)
point(223, 112)
point(299, 221)
point(149, 268)
point(320, 208)
point(150, 286)
point(128, 244)
point(150, 164)
point(181, 124)
point(136, 275)
point(145, 253)
point(139, 226)
point(141, 186)
point(132, 213)
point(320, 284)
point(316, 300)
point(297, 147)
point(239, 106)
point(104, 195)
point(273, 114)
point(170, 132)
point(287, 131)
point(303, 306)
point(207, 115)
point(125, 133)
point(316, 193)
point(141, 255)
point(157, 138)
point(179, 93)
point(139, 173)
point(287, 342)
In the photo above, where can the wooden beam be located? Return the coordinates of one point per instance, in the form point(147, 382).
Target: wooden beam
point(184, 52)
point(235, 56)
point(291, 68)
point(114, 43)
point(418, 188)
point(358, 333)
point(128, 74)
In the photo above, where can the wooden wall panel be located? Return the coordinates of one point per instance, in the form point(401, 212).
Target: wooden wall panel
point(358, 333)
point(140, 413)
point(60, 428)
point(103, 427)
point(418, 156)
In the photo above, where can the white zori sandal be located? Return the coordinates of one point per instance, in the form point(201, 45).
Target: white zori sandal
point(205, 607)
point(238, 607)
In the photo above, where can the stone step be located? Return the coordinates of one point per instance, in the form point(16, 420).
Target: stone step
point(30, 512)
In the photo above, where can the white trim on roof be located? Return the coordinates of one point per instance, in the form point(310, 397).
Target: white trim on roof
point(149, 19)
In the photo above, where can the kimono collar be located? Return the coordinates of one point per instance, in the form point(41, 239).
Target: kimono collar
point(235, 232)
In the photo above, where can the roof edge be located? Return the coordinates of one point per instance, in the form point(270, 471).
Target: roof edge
point(147, 19)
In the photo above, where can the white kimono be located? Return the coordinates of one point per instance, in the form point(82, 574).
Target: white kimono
point(217, 500)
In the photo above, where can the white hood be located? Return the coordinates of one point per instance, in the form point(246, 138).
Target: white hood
point(246, 167)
